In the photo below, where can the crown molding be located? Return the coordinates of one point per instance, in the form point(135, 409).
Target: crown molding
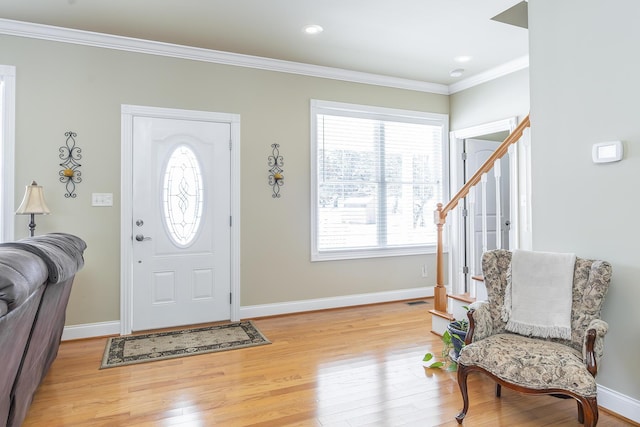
point(492, 74)
point(87, 38)
point(149, 47)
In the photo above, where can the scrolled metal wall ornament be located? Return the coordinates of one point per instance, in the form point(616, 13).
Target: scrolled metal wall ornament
point(276, 176)
point(70, 174)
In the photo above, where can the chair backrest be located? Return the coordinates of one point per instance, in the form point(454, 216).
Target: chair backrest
point(590, 284)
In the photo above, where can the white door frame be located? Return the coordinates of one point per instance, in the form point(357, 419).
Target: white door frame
point(128, 112)
point(7, 148)
point(456, 139)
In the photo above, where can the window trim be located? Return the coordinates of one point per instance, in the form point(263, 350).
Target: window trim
point(7, 147)
point(352, 110)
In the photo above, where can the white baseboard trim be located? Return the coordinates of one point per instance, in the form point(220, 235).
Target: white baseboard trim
point(101, 329)
point(262, 310)
point(91, 330)
point(619, 403)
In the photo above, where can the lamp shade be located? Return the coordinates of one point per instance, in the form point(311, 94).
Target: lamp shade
point(33, 201)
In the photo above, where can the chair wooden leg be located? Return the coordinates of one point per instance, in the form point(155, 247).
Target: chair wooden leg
point(588, 411)
point(498, 390)
point(580, 413)
point(462, 383)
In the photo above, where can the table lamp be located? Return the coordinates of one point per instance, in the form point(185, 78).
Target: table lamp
point(33, 204)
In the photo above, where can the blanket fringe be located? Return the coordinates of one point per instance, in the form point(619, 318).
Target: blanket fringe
point(538, 330)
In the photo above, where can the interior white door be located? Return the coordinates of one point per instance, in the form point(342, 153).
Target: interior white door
point(478, 151)
point(181, 222)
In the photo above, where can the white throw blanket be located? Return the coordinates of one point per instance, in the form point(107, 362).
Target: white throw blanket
point(539, 297)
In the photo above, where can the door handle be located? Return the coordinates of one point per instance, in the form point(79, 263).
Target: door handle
point(141, 238)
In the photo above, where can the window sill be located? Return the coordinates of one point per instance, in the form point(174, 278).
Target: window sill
point(372, 253)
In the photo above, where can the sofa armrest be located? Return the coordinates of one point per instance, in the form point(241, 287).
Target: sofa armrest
point(61, 252)
point(593, 344)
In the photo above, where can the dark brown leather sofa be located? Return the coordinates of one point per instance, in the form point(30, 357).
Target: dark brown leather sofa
point(36, 275)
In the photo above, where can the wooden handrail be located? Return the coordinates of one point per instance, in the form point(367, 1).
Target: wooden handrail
point(441, 212)
point(502, 149)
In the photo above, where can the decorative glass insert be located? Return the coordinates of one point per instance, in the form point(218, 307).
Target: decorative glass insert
point(183, 195)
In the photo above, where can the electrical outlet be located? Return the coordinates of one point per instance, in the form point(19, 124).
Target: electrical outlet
point(425, 272)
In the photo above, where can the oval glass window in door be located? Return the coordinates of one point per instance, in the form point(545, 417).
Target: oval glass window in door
point(182, 196)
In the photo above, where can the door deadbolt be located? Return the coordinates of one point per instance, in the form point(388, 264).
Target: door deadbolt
point(139, 223)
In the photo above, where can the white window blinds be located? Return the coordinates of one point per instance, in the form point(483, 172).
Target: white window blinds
point(378, 176)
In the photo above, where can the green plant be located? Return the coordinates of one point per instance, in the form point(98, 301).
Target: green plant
point(450, 341)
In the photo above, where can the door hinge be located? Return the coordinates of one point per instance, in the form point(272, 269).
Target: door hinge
point(465, 212)
point(230, 298)
point(230, 221)
point(465, 270)
point(464, 156)
point(230, 145)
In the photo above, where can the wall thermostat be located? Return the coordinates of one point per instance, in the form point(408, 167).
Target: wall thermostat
point(605, 152)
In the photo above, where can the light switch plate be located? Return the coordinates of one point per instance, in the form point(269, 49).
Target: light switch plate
point(101, 199)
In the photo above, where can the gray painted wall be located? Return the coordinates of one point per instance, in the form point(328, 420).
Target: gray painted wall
point(584, 70)
point(497, 99)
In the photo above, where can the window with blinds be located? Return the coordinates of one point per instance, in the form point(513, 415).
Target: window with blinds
point(377, 175)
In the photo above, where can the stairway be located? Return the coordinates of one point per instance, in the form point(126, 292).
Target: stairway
point(452, 306)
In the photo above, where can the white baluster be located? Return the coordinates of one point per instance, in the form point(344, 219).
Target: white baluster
point(483, 188)
point(497, 175)
point(459, 255)
point(514, 211)
point(471, 199)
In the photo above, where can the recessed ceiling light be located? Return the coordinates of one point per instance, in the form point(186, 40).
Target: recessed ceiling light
point(457, 72)
point(462, 58)
point(313, 29)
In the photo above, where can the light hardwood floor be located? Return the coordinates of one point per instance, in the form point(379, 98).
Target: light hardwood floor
point(359, 366)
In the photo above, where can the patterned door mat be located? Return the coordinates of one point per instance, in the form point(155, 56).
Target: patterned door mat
point(132, 349)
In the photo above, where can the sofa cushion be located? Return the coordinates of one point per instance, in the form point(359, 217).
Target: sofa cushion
point(531, 363)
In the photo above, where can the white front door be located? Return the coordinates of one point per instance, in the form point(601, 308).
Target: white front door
point(181, 222)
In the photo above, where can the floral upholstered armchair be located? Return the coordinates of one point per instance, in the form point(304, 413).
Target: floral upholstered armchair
point(554, 366)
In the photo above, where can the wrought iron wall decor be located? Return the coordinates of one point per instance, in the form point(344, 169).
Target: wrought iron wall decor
point(70, 174)
point(276, 176)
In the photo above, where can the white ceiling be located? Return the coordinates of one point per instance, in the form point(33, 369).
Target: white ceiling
point(409, 39)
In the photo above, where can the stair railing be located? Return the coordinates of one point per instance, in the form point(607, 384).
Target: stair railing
point(440, 214)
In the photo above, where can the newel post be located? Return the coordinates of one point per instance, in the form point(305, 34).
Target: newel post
point(440, 292)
